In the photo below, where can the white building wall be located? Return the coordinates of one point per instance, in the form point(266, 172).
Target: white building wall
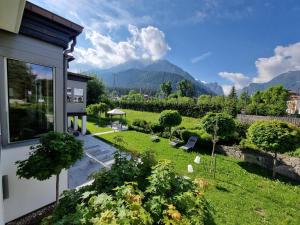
point(26, 195)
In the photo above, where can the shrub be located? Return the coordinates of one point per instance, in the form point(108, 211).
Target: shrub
point(169, 119)
point(184, 108)
point(225, 123)
point(274, 136)
point(156, 128)
point(95, 110)
point(167, 199)
point(141, 126)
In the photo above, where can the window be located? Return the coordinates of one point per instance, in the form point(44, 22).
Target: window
point(78, 95)
point(69, 94)
point(30, 100)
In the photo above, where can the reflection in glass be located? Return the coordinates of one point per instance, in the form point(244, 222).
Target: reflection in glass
point(30, 96)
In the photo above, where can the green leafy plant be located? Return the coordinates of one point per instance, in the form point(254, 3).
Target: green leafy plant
point(169, 119)
point(274, 136)
point(55, 152)
point(165, 199)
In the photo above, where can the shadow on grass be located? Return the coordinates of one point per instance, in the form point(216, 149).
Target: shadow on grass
point(219, 188)
point(263, 172)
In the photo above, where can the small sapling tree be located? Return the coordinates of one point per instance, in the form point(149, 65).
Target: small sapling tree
point(274, 136)
point(219, 126)
point(56, 151)
point(169, 119)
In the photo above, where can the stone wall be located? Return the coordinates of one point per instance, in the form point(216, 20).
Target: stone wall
point(286, 166)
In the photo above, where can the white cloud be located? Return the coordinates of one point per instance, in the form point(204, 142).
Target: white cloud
point(226, 89)
point(201, 57)
point(239, 80)
point(147, 44)
point(285, 58)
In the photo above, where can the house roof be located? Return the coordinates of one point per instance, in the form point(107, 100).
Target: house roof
point(30, 7)
point(78, 77)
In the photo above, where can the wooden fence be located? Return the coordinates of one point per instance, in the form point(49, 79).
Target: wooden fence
point(252, 118)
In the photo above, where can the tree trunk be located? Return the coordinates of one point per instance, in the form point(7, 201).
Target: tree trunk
point(274, 165)
point(57, 188)
point(215, 165)
point(212, 156)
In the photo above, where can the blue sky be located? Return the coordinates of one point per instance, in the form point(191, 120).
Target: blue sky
point(232, 42)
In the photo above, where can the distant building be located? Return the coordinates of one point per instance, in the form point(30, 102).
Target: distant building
point(293, 104)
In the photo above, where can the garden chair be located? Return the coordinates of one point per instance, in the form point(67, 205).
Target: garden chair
point(175, 143)
point(190, 144)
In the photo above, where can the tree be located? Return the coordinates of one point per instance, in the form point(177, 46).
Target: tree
point(169, 119)
point(275, 137)
point(270, 102)
point(232, 94)
point(186, 88)
point(102, 108)
point(56, 151)
point(95, 89)
point(244, 100)
point(166, 88)
point(219, 126)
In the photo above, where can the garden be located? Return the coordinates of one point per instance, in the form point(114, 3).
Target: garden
point(155, 186)
point(239, 193)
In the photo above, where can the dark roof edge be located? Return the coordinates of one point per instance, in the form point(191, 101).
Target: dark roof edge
point(52, 16)
point(80, 77)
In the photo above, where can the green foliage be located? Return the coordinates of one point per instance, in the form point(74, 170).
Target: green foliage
point(133, 96)
point(170, 118)
point(274, 136)
point(225, 123)
point(186, 88)
point(166, 199)
point(95, 90)
point(96, 109)
point(232, 94)
point(55, 152)
point(270, 102)
point(123, 170)
point(185, 106)
point(166, 88)
point(241, 130)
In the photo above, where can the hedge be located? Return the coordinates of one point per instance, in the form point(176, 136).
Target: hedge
point(185, 109)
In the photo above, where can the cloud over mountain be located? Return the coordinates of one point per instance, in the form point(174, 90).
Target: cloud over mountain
point(147, 43)
point(285, 58)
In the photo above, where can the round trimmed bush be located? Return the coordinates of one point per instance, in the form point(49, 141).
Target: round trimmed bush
point(274, 136)
point(170, 118)
point(226, 124)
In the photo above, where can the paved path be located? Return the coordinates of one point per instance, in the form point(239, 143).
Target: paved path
point(97, 155)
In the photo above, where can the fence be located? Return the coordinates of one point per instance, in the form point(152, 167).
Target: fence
point(252, 118)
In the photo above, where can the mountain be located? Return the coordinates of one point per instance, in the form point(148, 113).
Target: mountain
point(149, 76)
point(290, 80)
point(215, 87)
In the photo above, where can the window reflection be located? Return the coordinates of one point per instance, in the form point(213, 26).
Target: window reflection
point(30, 96)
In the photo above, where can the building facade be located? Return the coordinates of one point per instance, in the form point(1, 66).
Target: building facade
point(76, 100)
point(35, 47)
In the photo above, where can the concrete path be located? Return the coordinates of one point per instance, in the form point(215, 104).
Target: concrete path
point(97, 155)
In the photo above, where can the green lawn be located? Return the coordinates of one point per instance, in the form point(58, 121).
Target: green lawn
point(187, 122)
point(91, 126)
point(241, 193)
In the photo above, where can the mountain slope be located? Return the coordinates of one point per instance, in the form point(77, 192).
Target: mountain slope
point(149, 76)
point(215, 87)
point(290, 80)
